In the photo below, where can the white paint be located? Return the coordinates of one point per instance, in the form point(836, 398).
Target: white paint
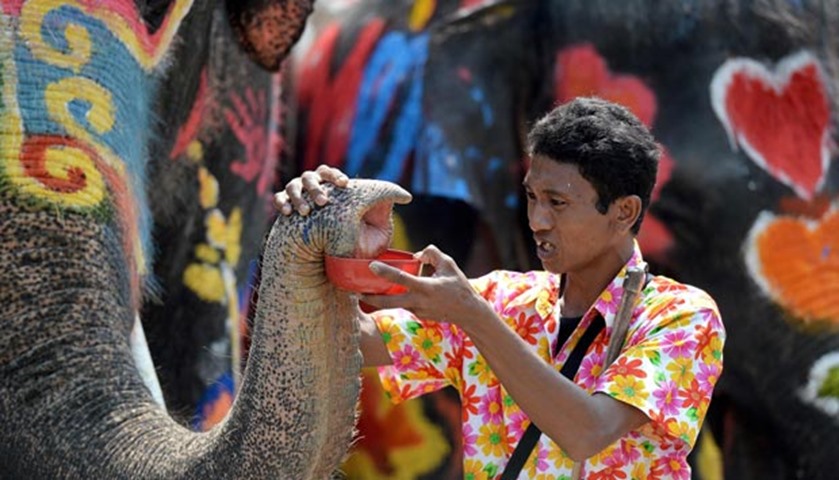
point(818, 375)
point(142, 359)
point(778, 81)
point(751, 254)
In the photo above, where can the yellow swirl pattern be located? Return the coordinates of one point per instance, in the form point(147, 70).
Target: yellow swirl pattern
point(79, 46)
point(100, 117)
point(11, 128)
point(147, 50)
point(59, 162)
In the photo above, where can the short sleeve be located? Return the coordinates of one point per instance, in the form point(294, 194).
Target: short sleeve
point(670, 366)
point(424, 354)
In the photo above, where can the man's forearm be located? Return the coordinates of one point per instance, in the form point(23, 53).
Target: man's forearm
point(581, 424)
point(373, 347)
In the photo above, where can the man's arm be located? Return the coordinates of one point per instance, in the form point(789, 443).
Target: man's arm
point(373, 347)
point(580, 423)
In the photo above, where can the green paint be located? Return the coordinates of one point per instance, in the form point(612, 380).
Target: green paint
point(830, 387)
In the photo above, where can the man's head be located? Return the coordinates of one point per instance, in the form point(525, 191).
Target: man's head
point(613, 150)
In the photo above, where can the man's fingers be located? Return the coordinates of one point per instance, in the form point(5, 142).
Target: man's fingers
point(311, 184)
point(332, 175)
point(433, 256)
point(294, 189)
point(394, 274)
point(282, 203)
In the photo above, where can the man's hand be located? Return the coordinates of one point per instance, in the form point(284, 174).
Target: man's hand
point(291, 198)
point(445, 296)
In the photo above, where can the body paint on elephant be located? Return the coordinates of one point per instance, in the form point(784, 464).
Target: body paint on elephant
point(210, 274)
point(781, 120)
point(255, 120)
point(399, 59)
point(331, 101)
point(822, 388)
point(71, 141)
point(581, 70)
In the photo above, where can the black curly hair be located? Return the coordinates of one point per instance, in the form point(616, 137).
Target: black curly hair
point(614, 151)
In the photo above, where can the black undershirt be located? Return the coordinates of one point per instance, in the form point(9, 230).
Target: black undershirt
point(566, 328)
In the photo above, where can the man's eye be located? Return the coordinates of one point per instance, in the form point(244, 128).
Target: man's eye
point(530, 195)
point(557, 202)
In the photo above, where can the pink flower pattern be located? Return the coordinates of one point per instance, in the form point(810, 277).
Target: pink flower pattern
point(679, 343)
point(672, 322)
point(490, 409)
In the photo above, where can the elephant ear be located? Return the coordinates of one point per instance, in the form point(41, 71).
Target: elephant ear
point(267, 29)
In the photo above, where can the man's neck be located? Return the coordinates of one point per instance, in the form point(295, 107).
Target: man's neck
point(581, 289)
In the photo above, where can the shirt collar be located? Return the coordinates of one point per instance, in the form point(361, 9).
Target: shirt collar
point(608, 302)
point(545, 300)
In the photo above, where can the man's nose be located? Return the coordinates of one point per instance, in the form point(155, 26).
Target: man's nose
point(538, 218)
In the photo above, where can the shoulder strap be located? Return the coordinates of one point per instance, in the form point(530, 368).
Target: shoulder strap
point(569, 369)
point(634, 282)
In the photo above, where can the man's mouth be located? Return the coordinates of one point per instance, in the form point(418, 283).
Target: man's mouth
point(544, 247)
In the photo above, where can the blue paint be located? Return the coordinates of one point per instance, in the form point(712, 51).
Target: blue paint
point(687, 22)
point(397, 60)
point(511, 201)
point(112, 67)
point(825, 252)
point(439, 168)
point(477, 95)
point(224, 384)
point(245, 289)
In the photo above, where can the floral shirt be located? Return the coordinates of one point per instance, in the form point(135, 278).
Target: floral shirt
point(668, 367)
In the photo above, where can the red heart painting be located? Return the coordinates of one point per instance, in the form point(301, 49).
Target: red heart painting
point(780, 119)
point(581, 71)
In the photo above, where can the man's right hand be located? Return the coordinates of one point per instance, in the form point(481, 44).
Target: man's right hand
point(291, 198)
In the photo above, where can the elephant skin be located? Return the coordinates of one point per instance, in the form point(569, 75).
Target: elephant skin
point(78, 87)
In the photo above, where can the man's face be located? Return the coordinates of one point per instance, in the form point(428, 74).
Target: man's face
point(571, 235)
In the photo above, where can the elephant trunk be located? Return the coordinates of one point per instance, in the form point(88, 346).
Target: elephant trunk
point(74, 405)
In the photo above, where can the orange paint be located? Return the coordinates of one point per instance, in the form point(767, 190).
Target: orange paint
point(799, 262)
point(215, 412)
point(381, 430)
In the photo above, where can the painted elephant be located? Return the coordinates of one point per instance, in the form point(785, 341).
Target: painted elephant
point(741, 94)
point(137, 148)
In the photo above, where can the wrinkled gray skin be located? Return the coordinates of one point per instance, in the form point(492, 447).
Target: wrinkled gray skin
point(73, 405)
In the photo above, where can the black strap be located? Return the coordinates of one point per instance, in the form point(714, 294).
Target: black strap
point(569, 369)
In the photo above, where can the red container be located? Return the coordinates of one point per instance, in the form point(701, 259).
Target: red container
point(354, 274)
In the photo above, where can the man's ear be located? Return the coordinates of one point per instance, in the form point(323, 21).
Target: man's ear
point(627, 210)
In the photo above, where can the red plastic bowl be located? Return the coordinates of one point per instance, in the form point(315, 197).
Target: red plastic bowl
point(354, 274)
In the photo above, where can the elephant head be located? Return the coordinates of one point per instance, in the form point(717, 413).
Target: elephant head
point(77, 83)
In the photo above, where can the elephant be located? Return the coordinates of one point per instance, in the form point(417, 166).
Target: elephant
point(119, 183)
point(741, 94)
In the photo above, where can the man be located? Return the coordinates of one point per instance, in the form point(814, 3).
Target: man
point(593, 167)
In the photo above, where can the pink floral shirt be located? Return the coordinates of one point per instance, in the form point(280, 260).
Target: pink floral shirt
point(669, 365)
